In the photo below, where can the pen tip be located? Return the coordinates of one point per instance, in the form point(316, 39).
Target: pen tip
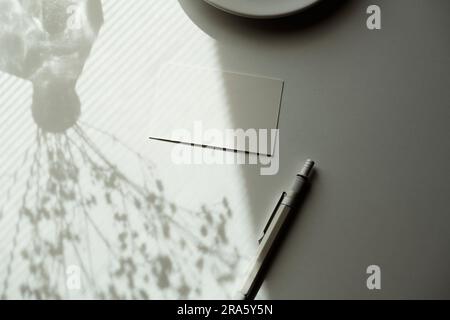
point(307, 168)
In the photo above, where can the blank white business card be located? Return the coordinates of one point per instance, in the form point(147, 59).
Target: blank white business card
point(206, 103)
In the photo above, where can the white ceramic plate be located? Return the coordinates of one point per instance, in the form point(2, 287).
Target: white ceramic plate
point(262, 8)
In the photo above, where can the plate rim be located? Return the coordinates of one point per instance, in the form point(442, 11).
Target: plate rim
point(262, 16)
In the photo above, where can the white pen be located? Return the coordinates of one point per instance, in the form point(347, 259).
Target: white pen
point(271, 233)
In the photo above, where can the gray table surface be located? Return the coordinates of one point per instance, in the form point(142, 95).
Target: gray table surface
point(373, 109)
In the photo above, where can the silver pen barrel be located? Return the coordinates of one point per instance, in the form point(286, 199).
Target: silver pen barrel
point(287, 203)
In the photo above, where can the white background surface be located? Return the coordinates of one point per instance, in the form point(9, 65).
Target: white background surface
point(371, 107)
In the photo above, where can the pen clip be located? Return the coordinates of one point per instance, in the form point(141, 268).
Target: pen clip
point(266, 227)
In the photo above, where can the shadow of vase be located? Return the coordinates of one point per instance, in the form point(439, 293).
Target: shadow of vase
point(56, 106)
point(48, 43)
